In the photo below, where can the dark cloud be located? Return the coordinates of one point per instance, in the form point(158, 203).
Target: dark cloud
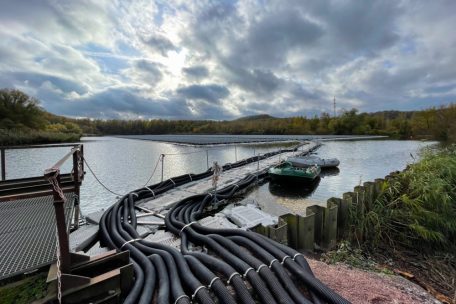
point(212, 93)
point(261, 82)
point(116, 102)
point(159, 43)
point(270, 39)
point(36, 80)
point(148, 71)
point(111, 59)
point(196, 72)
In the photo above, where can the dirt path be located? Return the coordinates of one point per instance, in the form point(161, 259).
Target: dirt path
point(359, 286)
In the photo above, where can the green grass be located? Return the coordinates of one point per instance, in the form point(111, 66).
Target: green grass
point(18, 137)
point(24, 291)
point(416, 209)
point(354, 257)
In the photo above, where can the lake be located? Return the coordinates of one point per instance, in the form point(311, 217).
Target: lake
point(126, 164)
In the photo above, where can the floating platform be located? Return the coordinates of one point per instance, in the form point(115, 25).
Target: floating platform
point(204, 140)
point(148, 226)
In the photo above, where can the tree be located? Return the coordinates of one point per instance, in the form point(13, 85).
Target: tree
point(20, 109)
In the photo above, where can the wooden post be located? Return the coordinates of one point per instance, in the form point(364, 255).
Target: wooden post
point(369, 188)
point(329, 232)
point(378, 187)
point(359, 198)
point(306, 232)
point(317, 212)
point(292, 227)
point(300, 231)
point(2, 152)
point(344, 212)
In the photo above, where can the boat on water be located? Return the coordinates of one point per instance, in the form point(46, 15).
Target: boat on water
point(312, 160)
point(287, 172)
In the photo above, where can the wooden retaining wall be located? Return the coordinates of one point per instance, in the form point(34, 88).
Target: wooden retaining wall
point(322, 227)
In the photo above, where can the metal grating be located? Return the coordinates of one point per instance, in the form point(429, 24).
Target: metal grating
point(27, 233)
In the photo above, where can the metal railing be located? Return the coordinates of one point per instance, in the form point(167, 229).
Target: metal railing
point(53, 176)
point(3, 150)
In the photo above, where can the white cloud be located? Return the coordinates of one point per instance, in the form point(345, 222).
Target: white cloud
point(152, 59)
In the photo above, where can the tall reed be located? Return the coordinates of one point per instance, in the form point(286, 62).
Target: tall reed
point(416, 208)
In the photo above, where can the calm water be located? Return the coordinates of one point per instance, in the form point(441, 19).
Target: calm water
point(125, 164)
point(360, 161)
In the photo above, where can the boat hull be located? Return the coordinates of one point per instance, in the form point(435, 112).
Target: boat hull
point(312, 161)
point(286, 172)
point(292, 179)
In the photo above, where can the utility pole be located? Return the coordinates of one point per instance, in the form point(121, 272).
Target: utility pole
point(334, 104)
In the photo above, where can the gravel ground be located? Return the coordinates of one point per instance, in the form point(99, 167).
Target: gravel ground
point(359, 286)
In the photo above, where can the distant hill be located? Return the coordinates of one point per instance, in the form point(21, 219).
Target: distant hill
point(393, 114)
point(255, 117)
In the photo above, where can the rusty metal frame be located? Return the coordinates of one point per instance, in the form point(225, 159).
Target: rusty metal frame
point(4, 148)
point(78, 175)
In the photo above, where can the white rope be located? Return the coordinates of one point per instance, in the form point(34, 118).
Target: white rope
point(182, 296)
point(247, 271)
point(284, 258)
point(128, 242)
point(296, 255)
point(231, 277)
point(212, 282)
point(196, 291)
point(183, 228)
point(153, 193)
point(174, 184)
point(272, 262)
point(261, 266)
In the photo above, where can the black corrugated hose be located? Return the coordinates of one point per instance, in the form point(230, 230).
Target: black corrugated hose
point(165, 275)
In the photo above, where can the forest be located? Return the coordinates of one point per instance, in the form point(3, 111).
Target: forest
point(23, 121)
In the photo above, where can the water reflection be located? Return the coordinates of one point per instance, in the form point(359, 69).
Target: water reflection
point(360, 161)
point(125, 164)
point(288, 190)
point(327, 172)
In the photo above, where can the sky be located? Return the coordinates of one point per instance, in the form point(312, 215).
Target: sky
point(227, 59)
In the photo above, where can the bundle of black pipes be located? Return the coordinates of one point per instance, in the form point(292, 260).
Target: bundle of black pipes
point(257, 268)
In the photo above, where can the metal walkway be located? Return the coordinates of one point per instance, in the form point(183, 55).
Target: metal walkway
point(27, 233)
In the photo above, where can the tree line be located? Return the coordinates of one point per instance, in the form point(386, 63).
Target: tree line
point(21, 114)
point(434, 123)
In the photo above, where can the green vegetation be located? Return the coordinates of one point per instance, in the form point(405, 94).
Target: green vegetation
point(439, 124)
point(24, 291)
point(22, 121)
point(410, 227)
point(416, 209)
point(353, 256)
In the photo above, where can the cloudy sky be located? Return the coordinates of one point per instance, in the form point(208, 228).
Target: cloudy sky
point(226, 59)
